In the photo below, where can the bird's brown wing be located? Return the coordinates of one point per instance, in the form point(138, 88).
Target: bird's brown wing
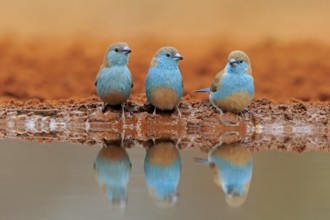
point(95, 83)
point(216, 82)
point(97, 77)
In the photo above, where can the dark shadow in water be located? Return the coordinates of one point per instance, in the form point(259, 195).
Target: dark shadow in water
point(113, 168)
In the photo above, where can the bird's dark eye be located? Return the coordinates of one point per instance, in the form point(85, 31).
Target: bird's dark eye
point(168, 55)
point(116, 50)
point(241, 61)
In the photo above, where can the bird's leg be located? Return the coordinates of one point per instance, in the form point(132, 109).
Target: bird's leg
point(177, 143)
point(219, 110)
point(154, 113)
point(179, 112)
point(122, 137)
point(228, 135)
point(105, 106)
point(224, 119)
point(123, 112)
point(242, 113)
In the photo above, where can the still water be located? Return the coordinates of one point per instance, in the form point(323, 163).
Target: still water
point(67, 181)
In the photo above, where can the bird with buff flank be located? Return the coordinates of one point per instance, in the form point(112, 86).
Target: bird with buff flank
point(232, 90)
point(162, 170)
point(113, 167)
point(231, 166)
point(164, 82)
point(114, 81)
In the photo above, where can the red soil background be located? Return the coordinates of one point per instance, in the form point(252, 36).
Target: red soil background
point(54, 50)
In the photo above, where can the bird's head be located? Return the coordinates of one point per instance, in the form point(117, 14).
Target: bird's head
point(166, 57)
point(117, 54)
point(238, 62)
point(235, 195)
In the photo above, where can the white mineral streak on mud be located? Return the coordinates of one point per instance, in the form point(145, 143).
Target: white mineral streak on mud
point(52, 124)
point(30, 124)
point(87, 126)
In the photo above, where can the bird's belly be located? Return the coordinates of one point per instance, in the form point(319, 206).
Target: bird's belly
point(113, 93)
point(235, 102)
point(163, 154)
point(164, 98)
point(113, 97)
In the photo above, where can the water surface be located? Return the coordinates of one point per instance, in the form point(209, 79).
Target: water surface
point(59, 181)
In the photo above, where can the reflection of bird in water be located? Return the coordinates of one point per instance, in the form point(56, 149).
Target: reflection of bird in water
point(162, 168)
point(112, 166)
point(231, 166)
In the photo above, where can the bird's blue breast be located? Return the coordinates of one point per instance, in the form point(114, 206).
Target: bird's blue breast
point(113, 174)
point(233, 83)
point(116, 79)
point(164, 78)
point(233, 175)
point(164, 179)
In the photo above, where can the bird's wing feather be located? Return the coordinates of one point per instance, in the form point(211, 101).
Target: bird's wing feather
point(203, 90)
point(95, 83)
point(216, 82)
point(97, 77)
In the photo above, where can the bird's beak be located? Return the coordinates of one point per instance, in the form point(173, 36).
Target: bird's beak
point(126, 50)
point(233, 62)
point(231, 194)
point(178, 57)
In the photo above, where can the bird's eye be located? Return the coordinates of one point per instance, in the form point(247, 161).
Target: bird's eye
point(116, 50)
point(241, 61)
point(168, 55)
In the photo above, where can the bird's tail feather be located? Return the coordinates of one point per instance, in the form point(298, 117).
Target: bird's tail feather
point(201, 160)
point(203, 90)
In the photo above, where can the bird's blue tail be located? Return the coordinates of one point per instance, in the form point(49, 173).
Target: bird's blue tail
point(203, 90)
point(201, 161)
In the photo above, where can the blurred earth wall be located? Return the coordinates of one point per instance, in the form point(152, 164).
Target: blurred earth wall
point(53, 49)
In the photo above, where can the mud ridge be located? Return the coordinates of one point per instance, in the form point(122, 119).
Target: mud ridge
point(293, 126)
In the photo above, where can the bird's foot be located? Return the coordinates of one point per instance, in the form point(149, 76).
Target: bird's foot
point(219, 110)
point(105, 108)
point(122, 139)
point(242, 113)
point(230, 137)
point(229, 119)
point(123, 112)
point(177, 143)
point(179, 112)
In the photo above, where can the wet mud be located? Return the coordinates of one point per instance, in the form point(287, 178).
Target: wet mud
point(292, 126)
